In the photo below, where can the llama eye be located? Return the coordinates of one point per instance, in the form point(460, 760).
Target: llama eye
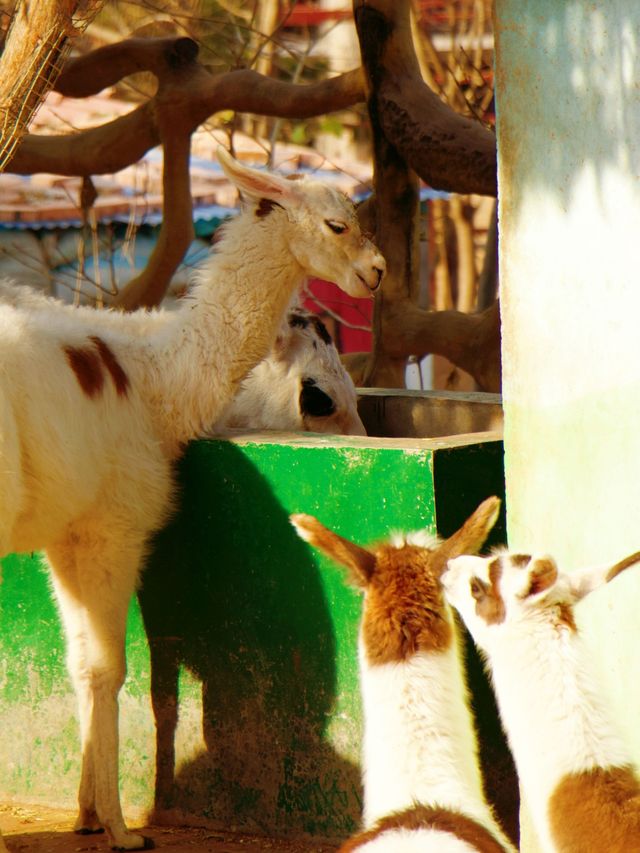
point(336, 226)
point(478, 589)
point(313, 400)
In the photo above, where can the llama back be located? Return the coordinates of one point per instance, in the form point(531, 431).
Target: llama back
point(423, 829)
point(420, 750)
point(576, 773)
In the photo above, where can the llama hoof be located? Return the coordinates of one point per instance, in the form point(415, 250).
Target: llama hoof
point(86, 830)
point(147, 844)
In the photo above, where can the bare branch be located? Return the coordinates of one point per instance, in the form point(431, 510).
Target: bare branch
point(149, 287)
point(186, 91)
point(187, 95)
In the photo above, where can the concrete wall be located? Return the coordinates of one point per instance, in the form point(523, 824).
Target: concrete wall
point(568, 100)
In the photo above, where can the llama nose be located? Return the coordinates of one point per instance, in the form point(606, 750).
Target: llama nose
point(378, 273)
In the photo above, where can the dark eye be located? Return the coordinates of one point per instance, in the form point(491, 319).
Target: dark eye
point(478, 589)
point(336, 226)
point(314, 402)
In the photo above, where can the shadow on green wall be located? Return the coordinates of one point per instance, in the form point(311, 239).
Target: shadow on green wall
point(463, 478)
point(233, 595)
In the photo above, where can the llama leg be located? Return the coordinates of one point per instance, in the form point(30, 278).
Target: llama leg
point(94, 587)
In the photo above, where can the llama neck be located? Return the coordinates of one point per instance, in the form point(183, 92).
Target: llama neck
point(552, 710)
point(419, 741)
point(225, 328)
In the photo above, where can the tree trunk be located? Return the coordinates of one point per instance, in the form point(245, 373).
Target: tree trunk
point(413, 128)
point(397, 211)
point(34, 52)
point(447, 150)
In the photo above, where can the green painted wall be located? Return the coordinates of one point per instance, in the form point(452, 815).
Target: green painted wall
point(568, 135)
point(244, 637)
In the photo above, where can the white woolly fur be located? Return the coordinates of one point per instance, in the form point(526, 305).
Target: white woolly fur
point(95, 407)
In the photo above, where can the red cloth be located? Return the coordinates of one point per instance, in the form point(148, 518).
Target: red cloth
point(358, 312)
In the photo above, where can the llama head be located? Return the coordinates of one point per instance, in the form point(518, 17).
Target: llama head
point(321, 225)
point(300, 385)
point(404, 609)
point(326, 400)
point(497, 592)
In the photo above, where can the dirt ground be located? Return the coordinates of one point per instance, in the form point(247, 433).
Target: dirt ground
point(36, 829)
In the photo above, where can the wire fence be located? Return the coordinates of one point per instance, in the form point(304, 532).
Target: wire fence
point(23, 95)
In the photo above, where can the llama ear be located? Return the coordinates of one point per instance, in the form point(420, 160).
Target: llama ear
point(540, 574)
point(255, 183)
point(471, 536)
point(585, 581)
point(357, 560)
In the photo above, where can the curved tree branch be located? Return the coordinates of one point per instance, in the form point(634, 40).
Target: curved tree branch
point(470, 341)
point(186, 90)
point(447, 150)
point(187, 95)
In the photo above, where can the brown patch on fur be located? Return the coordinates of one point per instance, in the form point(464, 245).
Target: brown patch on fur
point(296, 176)
point(596, 810)
point(404, 611)
point(119, 377)
point(265, 206)
point(321, 330)
point(491, 606)
point(85, 363)
point(299, 320)
point(566, 618)
point(425, 817)
point(520, 560)
point(544, 574)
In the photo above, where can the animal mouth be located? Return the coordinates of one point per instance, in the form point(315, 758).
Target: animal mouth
point(370, 288)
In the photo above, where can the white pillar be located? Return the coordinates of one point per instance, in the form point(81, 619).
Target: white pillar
point(568, 99)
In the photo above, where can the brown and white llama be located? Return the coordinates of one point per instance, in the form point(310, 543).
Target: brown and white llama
point(96, 406)
point(423, 790)
point(575, 770)
point(301, 384)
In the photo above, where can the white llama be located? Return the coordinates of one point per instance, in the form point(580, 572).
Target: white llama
point(574, 769)
point(300, 385)
point(95, 407)
point(422, 784)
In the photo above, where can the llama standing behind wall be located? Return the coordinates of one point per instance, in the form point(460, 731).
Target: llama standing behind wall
point(300, 385)
point(422, 785)
point(574, 768)
point(95, 407)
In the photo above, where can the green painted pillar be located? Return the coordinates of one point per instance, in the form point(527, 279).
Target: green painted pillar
point(568, 99)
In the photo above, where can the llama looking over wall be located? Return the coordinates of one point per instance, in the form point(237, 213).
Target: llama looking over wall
point(422, 784)
point(96, 406)
point(574, 768)
point(301, 384)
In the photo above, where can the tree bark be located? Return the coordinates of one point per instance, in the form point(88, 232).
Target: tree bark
point(447, 150)
point(187, 95)
point(34, 51)
point(397, 216)
point(470, 341)
point(186, 90)
point(464, 156)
